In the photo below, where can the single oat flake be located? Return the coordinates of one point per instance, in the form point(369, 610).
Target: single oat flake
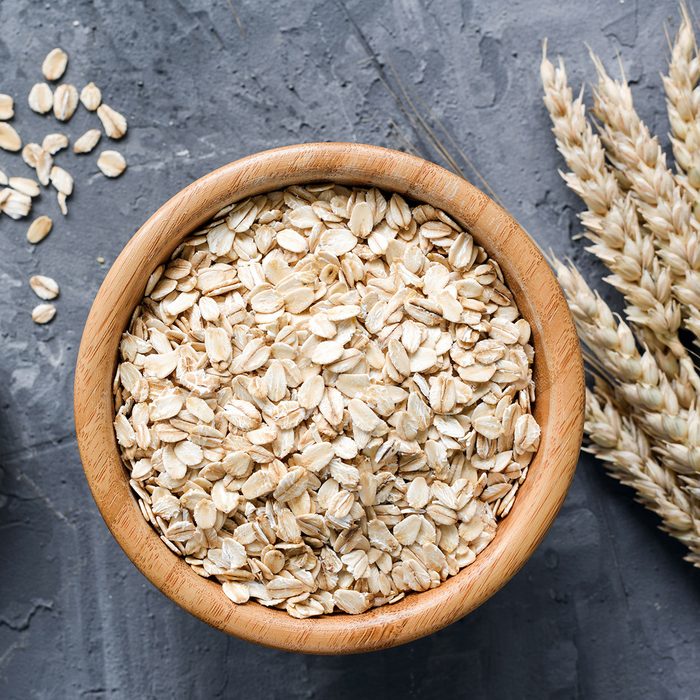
point(43, 313)
point(113, 122)
point(87, 141)
point(61, 180)
point(7, 107)
point(9, 138)
point(65, 102)
point(91, 97)
point(40, 98)
point(44, 287)
point(54, 65)
point(53, 143)
point(25, 185)
point(324, 401)
point(111, 163)
point(39, 229)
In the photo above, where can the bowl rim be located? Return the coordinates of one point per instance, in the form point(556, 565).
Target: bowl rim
point(558, 370)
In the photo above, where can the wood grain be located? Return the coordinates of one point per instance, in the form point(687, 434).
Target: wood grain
point(558, 376)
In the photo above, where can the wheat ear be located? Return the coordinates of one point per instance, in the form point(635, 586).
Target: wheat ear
point(611, 221)
point(638, 379)
point(683, 104)
point(662, 203)
point(627, 454)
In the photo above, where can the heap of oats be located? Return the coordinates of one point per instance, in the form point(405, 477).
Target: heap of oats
point(324, 399)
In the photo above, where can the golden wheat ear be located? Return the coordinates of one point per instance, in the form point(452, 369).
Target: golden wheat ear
point(663, 205)
point(683, 106)
point(636, 376)
point(611, 219)
point(628, 456)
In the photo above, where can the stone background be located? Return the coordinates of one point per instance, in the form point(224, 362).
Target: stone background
point(605, 608)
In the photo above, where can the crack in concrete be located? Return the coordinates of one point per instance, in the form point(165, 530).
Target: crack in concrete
point(24, 624)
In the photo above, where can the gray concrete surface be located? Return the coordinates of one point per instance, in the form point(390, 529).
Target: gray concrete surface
point(605, 608)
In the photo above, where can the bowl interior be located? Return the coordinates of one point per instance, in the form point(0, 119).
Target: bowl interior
point(558, 408)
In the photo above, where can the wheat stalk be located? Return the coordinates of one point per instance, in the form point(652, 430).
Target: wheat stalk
point(625, 247)
point(683, 105)
point(663, 205)
point(615, 439)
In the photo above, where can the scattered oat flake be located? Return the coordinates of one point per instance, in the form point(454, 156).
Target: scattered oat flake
point(54, 65)
point(25, 185)
point(65, 101)
point(111, 163)
point(87, 141)
point(39, 229)
point(113, 122)
point(40, 98)
point(61, 180)
point(91, 97)
point(43, 313)
point(53, 143)
point(44, 287)
point(61, 198)
point(7, 107)
point(9, 138)
point(31, 153)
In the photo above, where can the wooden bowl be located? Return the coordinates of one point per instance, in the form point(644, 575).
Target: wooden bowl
point(558, 375)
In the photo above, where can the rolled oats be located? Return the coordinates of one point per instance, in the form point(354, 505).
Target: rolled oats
point(111, 163)
point(40, 98)
point(54, 65)
point(88, 141)
point(7, 107)
point(14, 204)
point(53, 143)
point(44, 287)
point(91, 97)
point(43, 313)
point(113, 122)
point(9, 138)
point(65, 101)
point(324, 399)
point(25, 185)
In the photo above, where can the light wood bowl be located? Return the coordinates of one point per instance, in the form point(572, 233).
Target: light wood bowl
point(558, 376)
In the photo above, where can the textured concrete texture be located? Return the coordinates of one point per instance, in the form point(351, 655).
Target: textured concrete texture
point(605, 608)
